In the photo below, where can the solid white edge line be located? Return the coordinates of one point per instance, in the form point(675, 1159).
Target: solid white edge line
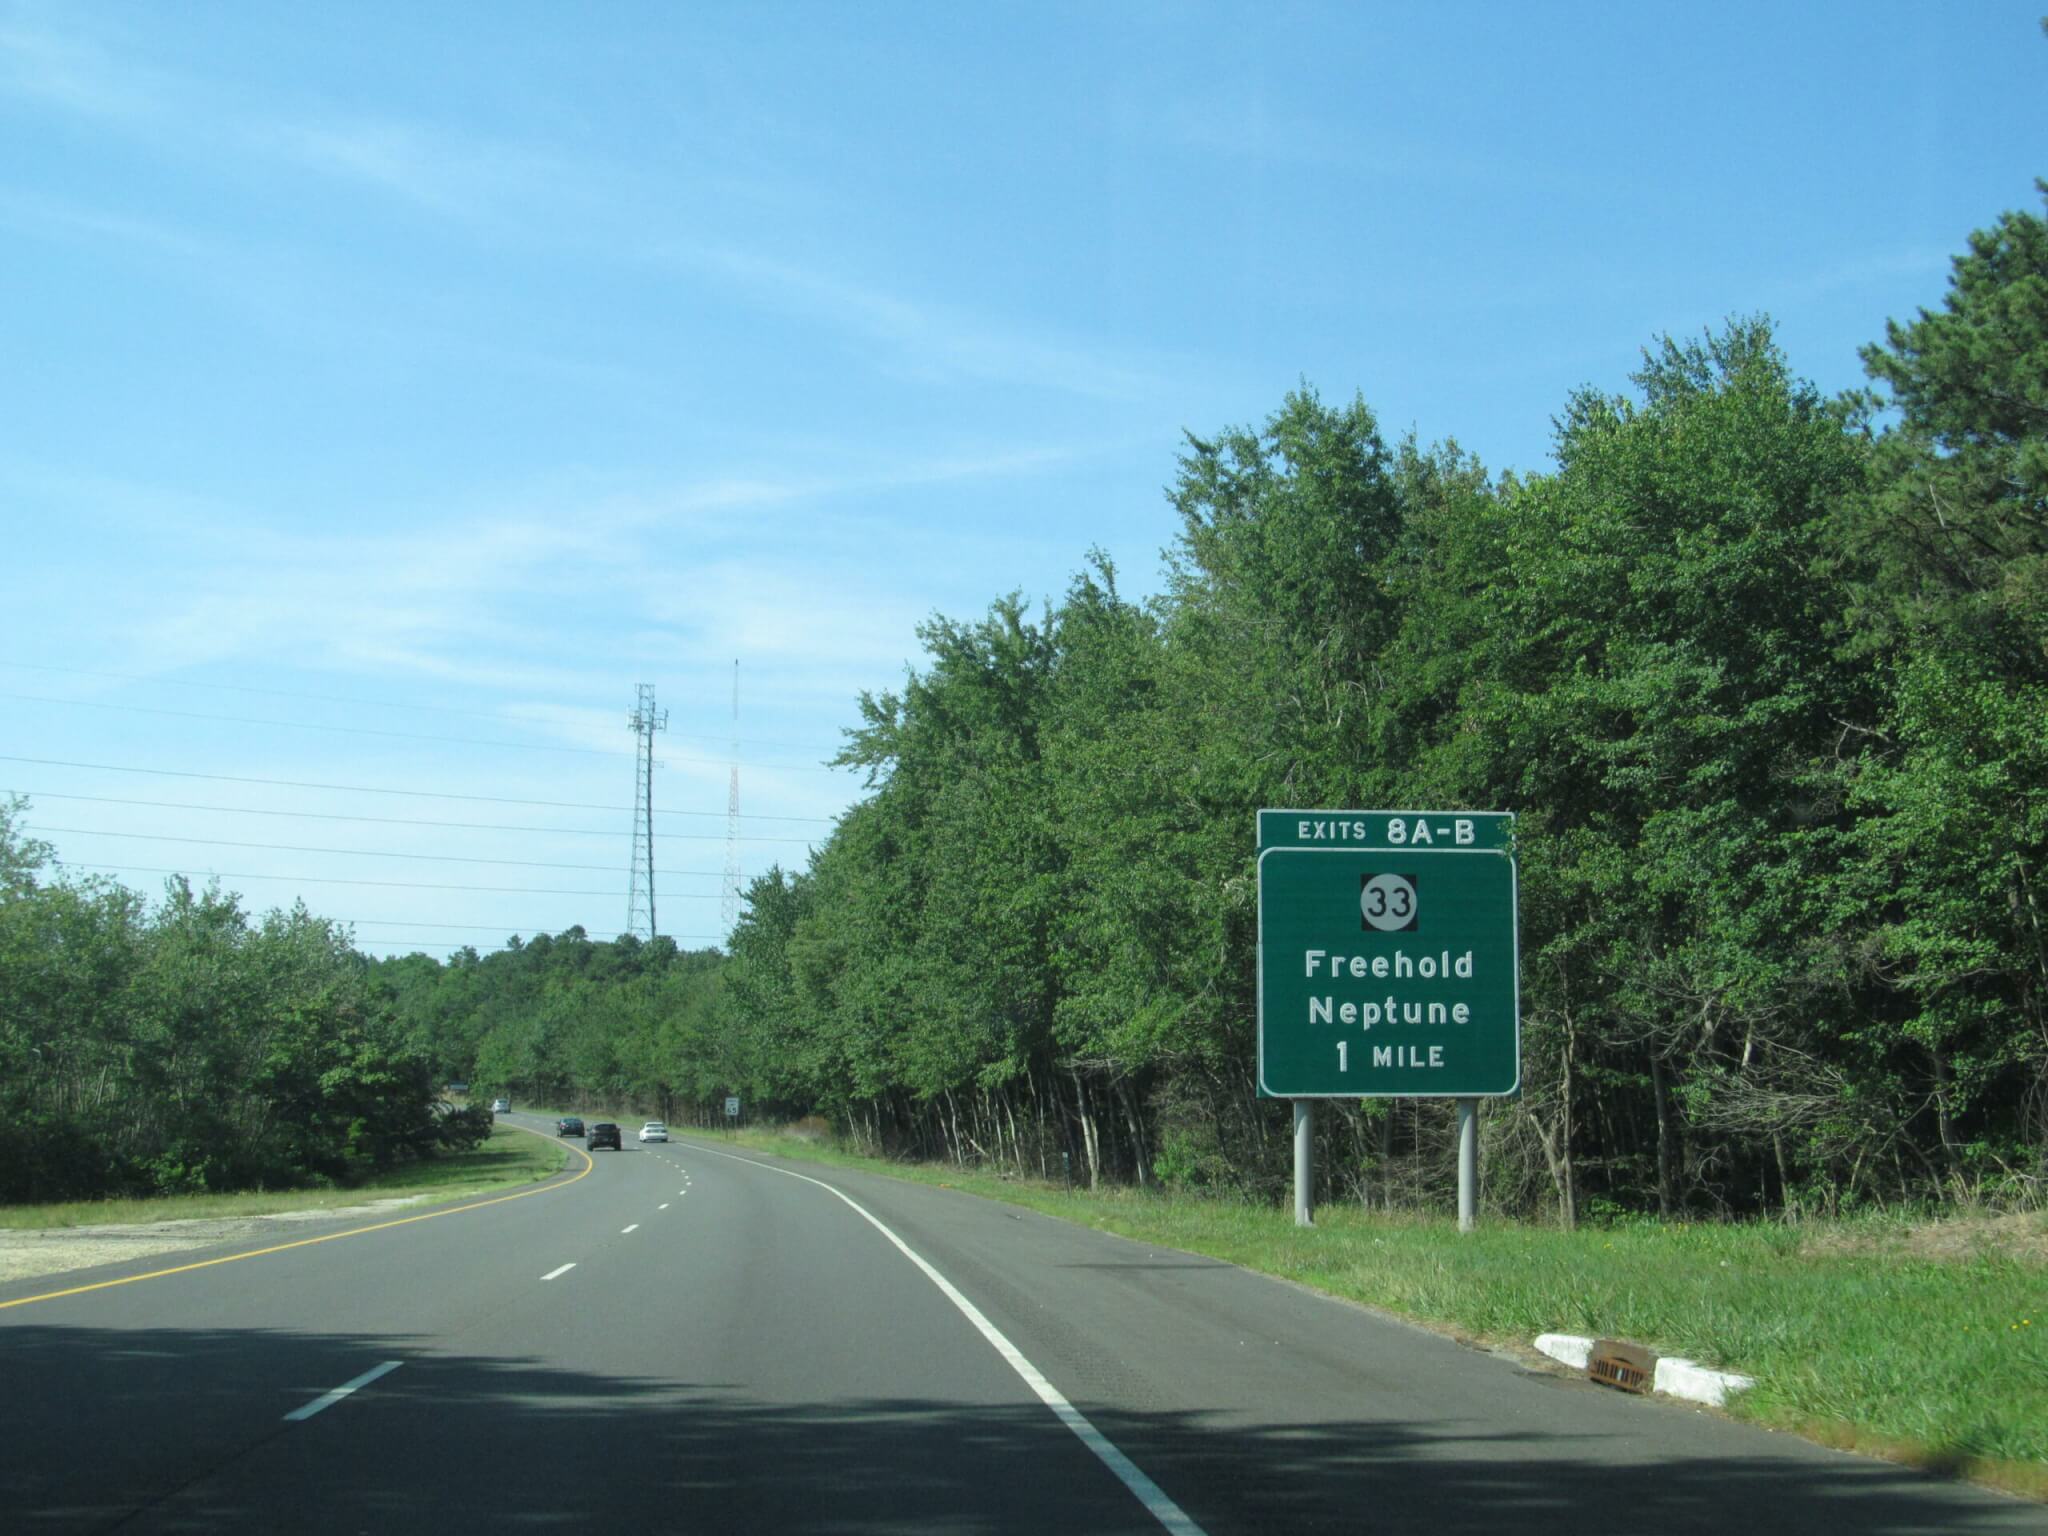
point(1148, 1493)
point(556, 1274)
point(329, 1399)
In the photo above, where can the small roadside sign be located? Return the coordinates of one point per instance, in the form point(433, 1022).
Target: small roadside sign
point(732, 1107)
point(1388, 961)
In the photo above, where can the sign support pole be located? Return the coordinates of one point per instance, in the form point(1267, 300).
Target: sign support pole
point(1389, 966)
point(1304, 1161)
point(1468, 1164)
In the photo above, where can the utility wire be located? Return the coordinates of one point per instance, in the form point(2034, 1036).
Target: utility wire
point(395, 885)
point(588, 933)
point(497, 717)
point(364, 730)
point(371, 789)
point(393, 821)
point(421, 946)
point(380, 922)
point(354, 853)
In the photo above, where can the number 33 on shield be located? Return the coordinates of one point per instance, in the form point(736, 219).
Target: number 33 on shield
point(1388, 902)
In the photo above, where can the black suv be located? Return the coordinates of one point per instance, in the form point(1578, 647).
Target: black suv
point(568, 1125)
point(604, 1134)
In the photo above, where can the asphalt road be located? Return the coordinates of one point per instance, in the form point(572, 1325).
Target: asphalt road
point(679, 1339)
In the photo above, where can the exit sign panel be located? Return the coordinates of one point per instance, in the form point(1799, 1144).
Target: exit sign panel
point(1388, 964)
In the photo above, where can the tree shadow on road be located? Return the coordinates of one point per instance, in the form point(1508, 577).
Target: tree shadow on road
point(184, 1430)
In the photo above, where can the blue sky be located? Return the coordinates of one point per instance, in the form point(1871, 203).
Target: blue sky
point(386, 390)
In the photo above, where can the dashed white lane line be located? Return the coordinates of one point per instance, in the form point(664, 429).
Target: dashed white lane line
point(556, 1274)
point(329, 1399)
point(633, 1228)
point(663, 1206)
point(1148, 1493)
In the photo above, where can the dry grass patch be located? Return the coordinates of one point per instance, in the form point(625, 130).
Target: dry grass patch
point(2018, 1236)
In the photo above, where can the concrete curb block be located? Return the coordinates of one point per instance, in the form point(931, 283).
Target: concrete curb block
point(1681, 1378)
point(1675, 1377)
point(1567, 1347)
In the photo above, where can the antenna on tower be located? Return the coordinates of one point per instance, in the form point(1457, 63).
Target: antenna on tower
point(643, 722)
point(729, 900)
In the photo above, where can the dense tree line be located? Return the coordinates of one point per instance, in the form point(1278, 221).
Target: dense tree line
point(1764, 674)
point(568, 1021)
point(186, 1047)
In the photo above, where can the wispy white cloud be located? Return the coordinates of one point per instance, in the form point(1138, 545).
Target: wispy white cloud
point(925, 339)
point(439, 170)
point(597, 730)
point(694, 570)
point(64, 219)
point(425, 165)
point(1877, 269)
point(68, 69)
point(536, 195)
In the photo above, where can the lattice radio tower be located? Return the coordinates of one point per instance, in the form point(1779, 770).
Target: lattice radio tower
point(729, 898)
point(643, 722)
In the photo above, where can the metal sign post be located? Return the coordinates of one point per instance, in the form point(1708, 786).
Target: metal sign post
point(1388, 967)
point(1304, 1162)
point(1468, 1164)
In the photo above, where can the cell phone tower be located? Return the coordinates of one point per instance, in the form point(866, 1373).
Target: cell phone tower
point(729, 897)
point(643, 722)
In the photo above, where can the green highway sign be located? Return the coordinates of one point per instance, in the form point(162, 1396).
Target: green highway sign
point(1388, 961)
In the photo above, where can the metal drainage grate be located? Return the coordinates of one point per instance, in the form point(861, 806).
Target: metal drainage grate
point(1628, 1367)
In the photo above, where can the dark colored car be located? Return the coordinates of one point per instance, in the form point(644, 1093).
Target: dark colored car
point(568, 1125)
point(605, 1134)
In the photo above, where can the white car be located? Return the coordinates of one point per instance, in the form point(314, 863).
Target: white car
point(654, 1130)
point(501, 1106)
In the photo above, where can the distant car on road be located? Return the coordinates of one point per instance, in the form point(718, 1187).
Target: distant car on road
point(604, 1134)
point(654, 1130)
point(569, 1125)
point(501, 1106)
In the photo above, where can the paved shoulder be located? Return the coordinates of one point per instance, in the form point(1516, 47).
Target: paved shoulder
point(1260, 1405)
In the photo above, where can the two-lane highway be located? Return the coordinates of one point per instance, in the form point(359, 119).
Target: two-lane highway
point(679, 1337)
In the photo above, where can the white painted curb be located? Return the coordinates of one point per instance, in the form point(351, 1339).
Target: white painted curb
point(1567, 1347)
point(1681, 1378)
point(1675, 1377)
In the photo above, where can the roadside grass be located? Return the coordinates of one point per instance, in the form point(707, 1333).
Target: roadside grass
point(1860, 1334)
point(509, 1157)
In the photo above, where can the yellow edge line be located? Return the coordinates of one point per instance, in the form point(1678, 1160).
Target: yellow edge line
point(589, 1163)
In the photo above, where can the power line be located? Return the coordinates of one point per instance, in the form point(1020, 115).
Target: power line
point(421, 946)
point(391, 821)
point(394, 885)
point(588, 933)
point(596, 935)
point(498, 717)
point(507, 929)
point(408, 943)
point(355, 853)
point(364, 730)
point(372, 789)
